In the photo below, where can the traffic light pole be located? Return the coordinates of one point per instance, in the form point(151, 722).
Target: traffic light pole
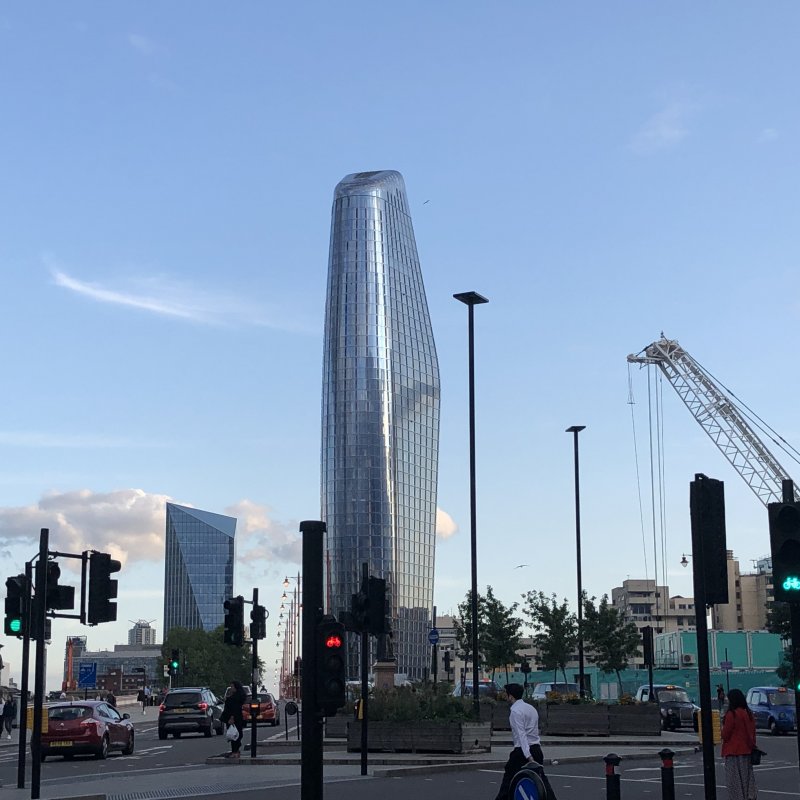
point(23, 694)
point(254, 708)
point(38, 607)
point(364, 676)
point(311, 788)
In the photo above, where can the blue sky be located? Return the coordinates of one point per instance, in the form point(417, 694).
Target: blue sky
point(601, 172)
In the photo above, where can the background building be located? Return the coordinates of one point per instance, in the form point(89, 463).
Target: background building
point(198, 568)
point(749, 597)
point(142, 632)
point(380, 413)
point(115, 668)
point(644, 603)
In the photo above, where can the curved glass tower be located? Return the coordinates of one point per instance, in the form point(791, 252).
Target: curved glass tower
point(380, 413)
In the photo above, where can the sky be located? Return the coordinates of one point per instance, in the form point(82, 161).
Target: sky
point(600, 172)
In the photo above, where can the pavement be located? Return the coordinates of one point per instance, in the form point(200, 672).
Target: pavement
point(278, 765)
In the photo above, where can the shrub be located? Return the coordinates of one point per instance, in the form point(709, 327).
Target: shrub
point(407, 704)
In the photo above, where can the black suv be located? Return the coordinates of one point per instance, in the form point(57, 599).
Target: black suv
point(186, 710)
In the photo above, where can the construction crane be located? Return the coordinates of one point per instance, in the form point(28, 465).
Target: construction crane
point(720, 417)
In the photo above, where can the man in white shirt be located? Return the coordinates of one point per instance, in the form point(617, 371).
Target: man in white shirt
point(524, 720)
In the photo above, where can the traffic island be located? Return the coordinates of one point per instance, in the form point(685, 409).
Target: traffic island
point(423, 736)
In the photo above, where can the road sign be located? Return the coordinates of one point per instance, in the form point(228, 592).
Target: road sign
point(433, 636)
point(726, 664)
point(87, 676)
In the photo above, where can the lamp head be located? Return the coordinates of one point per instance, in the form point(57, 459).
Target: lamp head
point(470, 298)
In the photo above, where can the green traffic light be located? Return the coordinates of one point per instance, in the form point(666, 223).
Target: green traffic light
point(174, 664)
point(792, 583)
point(15, 625)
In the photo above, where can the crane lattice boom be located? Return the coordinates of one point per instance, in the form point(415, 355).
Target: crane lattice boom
point(719, 417)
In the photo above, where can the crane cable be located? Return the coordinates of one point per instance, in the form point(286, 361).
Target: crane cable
point(631, 403)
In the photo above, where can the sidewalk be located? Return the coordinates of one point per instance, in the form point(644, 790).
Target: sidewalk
point(220, 777)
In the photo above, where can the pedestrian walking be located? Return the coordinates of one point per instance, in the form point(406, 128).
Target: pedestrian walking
point(524, 720)
point(9, 714)
point(738, 743)
point(111, 700)
point(235, 697)
point(720, 696)
point(140, 698)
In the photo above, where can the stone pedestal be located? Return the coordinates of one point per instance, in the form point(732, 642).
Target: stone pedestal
point(383, 673)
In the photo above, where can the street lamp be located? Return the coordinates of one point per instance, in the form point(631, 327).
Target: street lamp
point(575, 430)
point(472, 299)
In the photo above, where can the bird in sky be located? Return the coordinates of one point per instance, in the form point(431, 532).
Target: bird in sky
point(426, 202)
point(520, 566)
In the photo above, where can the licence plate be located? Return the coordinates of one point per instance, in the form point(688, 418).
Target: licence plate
point(60, 744)
point(180, 710)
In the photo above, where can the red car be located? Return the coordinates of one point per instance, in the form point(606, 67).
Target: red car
point(87, 726)
point(267, 710)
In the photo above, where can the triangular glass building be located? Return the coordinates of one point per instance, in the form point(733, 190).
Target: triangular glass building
point(198, 569)
point(380, 413)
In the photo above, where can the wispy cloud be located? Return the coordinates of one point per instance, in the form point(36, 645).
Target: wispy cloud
point(158, 294)
point(666, 129)
point(142, 44)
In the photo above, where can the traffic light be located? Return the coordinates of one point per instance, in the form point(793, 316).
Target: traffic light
point(174, 662)
point(784, 537)
point(258, 623)
point(331, 666)
point(376, 592)
point(447, 661)
point(57, 596)
point(102, 588)
point(15, 606)
point(234, 621)
point(707, 511)
point(647, 645)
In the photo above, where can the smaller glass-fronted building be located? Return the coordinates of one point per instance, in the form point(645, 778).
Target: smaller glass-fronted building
point(198, 568)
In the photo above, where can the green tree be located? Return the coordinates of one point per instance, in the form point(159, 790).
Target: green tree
point(555, 630)
point(786, 671)
point(206, 660)
point(779, 621)
point(463, 626)
point(503, 633)
point(610, 640)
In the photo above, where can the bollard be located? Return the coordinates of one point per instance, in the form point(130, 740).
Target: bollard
point(667, 774)
point(612, 779)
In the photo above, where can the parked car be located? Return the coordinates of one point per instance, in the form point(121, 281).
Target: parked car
point(268, 711)
point(486, 688)
point(540, 690)
point(773, 708)
point(189, 710)
point(677, 710)
point(88, 726)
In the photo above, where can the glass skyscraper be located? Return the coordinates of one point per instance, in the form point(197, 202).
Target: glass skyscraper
point(198, 569)
point(380, 413)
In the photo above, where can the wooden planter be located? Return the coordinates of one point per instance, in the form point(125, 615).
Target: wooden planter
point(641, 720)
point(577, 720)
point(500, 718)
point(336, 727)
point(423, 736)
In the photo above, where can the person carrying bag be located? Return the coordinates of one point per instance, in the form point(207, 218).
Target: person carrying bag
point(739, 750)
point(232, 717)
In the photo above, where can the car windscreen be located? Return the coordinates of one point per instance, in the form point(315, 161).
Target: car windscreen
point(264, 698)
point(564, 688)
point(672, 696)
point(182, 699)
point(781, 699)
point(67, 713)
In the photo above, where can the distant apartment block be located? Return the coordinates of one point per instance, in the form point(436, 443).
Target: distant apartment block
point(644, 603)
point(749, 597)
point(142, 632)
point(198, 568)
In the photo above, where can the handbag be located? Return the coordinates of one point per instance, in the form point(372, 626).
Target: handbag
point(231, 733)
point(755, 756)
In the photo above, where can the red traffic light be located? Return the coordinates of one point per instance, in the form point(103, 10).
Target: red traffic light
point(333, 641)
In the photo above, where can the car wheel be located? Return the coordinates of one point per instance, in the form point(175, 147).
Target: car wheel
point(162, 735)
point(208, 731)
point(128, 751)
point(176, 735)
point(43, 757)
point(773, 728)
point(69, 756)
point(103, 751)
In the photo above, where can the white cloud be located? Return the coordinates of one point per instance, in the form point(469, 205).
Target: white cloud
point(664, 130)
point(128, 523)
point(160, 295)
point(142, 44)
point(445, 526)
point(261, 539)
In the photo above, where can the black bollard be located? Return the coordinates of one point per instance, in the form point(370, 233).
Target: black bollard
point(667, 774)
point(612, 779)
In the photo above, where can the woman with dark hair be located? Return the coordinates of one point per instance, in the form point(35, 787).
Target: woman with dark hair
point(738, 742)
point(235, 696)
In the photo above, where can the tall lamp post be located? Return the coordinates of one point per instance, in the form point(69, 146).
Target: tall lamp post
point(575, 430)
point(472, 299)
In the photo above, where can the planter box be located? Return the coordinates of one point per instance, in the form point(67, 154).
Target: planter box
point(336, 727)
point(644, 720)
point(577, 720)
point(500, 717)
point(422, 736)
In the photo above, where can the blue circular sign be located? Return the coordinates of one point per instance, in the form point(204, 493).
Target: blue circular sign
point(433, 636)
point(527, 785)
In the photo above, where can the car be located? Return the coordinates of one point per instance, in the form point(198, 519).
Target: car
point(541, 690)
point(773, 708)
point(86, 726)
point(268, 711)
point(189, 710)
point(486, 688)
point(677, 710)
